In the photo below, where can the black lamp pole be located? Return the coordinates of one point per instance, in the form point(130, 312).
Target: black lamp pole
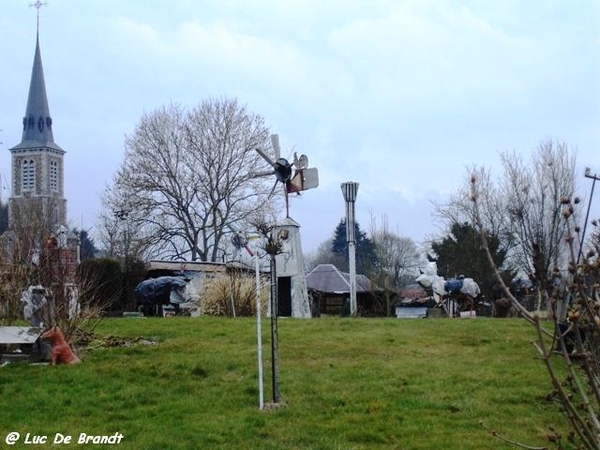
point(594, 177)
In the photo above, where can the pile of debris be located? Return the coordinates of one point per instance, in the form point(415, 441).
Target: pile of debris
point(22, 344)
point(456, 296)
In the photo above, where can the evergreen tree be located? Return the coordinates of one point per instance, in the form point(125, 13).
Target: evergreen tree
point(366, 259)
point(460, 253)
point(88, 248)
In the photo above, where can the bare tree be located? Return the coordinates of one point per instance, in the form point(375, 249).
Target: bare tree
point(22, 257)
point(74, 300)
point(595, 238)
point(521, 207)
point(576, 339)
point(118, 237)
point(187, 175)
point(324, 255)
point(533, 194)
point(39, 260)
point(493, 204)
point(31, 224)
point(397, 256)
point(14, 278)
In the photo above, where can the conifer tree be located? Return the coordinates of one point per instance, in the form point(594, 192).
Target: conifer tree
point(366, 259)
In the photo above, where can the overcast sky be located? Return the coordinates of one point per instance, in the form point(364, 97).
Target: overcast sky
point(400, 96)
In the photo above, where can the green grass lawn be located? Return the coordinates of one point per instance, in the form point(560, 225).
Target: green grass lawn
point(345, 384)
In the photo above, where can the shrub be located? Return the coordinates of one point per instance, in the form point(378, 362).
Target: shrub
point(233, 295)
point(570, 341)
point(104, 280)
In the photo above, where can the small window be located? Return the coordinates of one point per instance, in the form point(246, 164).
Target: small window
point(54, 176)
point(28, 175)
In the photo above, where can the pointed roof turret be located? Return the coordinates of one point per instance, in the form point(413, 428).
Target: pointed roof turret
point(37, 123)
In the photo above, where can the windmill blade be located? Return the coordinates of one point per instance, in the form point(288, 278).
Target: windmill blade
point(273, 190)
point(262, 174)
point(265, 157)
point(275, 144)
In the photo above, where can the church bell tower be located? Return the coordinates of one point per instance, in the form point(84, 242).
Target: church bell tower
point(37, 162)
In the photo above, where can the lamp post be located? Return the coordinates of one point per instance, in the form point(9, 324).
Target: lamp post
point(239, 241)
point(123, 215)
point(595, 178)
point(350, 190)
point(261, 395)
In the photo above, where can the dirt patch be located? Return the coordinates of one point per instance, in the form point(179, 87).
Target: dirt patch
point(86, 341)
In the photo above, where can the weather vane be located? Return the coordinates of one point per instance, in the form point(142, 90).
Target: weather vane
point(37, 5)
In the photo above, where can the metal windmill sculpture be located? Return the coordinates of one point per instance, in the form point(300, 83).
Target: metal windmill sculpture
point(303, 177)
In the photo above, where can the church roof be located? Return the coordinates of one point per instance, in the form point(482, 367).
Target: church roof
point(37, 123)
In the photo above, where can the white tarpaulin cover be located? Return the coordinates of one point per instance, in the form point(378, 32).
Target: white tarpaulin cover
point(430, 279)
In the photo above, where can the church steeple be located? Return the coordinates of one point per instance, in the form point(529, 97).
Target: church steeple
point(37, 123)
point(37, 162)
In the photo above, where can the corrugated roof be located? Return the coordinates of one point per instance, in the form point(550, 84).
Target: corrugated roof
point(328, 278)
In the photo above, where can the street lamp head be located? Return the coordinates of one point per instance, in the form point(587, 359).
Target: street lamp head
point(350, 190)
point(588, 174)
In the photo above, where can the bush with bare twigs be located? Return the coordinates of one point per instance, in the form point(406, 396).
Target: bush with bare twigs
point(13, 278)
point(233, 295)
point(568, 342)
point(75, 304)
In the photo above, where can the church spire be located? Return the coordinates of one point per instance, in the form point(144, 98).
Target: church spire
point(37, 123)
point(37, 162)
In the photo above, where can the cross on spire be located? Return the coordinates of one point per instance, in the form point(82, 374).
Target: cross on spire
point(37, 5)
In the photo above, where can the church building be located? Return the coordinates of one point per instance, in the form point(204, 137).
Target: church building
point(38, 162)
point(37, 205)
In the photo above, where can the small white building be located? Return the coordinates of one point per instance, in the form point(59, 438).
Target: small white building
point(292, 294)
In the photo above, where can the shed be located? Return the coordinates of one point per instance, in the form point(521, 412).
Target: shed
point(196, 273)
point(330, 287)
point(413, 302)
